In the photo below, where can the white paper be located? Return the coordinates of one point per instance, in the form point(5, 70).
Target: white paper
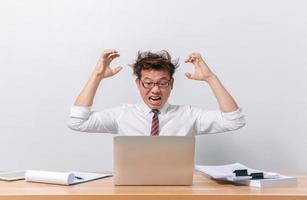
point(225, 172)
point(62, 178)
point(88, 176)
point(220, 172)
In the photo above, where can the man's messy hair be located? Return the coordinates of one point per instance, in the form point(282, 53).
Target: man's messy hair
point(160, 60)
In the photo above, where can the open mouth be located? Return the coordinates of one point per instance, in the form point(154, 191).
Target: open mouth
point(154, 99)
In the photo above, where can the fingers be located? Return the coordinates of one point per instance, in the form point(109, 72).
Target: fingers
point(117, 69)
point(192, 58)
point(109, 54)
point(110, 72)
point(188, 59)
point(189, 75)
point(113, 56)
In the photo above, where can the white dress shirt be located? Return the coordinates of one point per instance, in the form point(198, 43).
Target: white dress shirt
point(136, 119)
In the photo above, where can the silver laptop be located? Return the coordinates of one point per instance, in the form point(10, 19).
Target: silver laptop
point(153, 160)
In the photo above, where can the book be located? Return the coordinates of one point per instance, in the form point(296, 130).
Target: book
point(277, 182)
point(226, 173)
point(62, 178)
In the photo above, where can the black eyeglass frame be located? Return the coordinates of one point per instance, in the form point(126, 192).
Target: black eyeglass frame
point(153, 84)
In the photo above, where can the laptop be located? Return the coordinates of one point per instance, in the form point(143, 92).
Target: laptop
point(12, 175)
point(153, 160)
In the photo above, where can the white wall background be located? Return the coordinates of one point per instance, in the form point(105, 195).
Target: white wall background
point(49, 48)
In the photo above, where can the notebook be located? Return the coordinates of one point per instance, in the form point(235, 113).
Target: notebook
point(225, 173)
point(62, 178)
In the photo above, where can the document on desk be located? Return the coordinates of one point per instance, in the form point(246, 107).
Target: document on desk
point(62, 178)
point(226, 173)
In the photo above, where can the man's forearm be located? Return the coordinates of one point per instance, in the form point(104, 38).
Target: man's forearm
point(86, 97)
point(102, 70)
point(225, 100)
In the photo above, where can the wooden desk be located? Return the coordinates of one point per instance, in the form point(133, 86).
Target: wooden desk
point(203, 188)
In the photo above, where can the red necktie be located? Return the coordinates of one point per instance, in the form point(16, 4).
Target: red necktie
point(155, 123)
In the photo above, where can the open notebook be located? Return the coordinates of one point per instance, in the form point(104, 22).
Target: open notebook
point(62, 178)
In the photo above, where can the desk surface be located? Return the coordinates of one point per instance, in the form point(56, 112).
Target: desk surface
point(203, 188)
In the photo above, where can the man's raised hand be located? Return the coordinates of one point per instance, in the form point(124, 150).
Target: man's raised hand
point(201, 69)
point(103, 69)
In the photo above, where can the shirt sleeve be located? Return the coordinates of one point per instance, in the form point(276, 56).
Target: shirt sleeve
point(215, 121)
point(85, 120)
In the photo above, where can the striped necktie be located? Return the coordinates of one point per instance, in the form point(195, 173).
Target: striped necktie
point(155, 123)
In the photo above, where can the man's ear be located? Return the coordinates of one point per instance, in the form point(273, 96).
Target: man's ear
point(137, 82)
point(172, 83)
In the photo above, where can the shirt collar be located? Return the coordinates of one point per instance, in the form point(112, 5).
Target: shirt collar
point(147, 110)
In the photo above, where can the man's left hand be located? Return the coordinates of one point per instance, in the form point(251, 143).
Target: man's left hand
point(201, 70)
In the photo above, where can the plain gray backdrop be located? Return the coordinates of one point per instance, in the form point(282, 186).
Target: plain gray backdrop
point(49, 48)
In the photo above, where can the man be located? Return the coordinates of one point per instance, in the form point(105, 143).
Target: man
point(155, 116)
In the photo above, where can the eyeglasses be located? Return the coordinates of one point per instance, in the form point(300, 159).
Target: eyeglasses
point(161, 84)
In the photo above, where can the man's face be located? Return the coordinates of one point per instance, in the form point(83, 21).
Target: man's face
point(155, 87)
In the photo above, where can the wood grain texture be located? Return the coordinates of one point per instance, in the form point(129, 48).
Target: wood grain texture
point(202, 188)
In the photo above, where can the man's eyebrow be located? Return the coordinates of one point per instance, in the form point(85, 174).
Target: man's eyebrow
point(164, 78)
point(160, 79)
point(147, 79)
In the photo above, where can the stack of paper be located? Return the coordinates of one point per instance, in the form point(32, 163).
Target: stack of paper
point(62, 178)
point(225, 172)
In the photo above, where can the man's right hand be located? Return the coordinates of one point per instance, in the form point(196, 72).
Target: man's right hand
point(103, 69)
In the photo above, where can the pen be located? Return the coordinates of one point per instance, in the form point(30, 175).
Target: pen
point(77, 177)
